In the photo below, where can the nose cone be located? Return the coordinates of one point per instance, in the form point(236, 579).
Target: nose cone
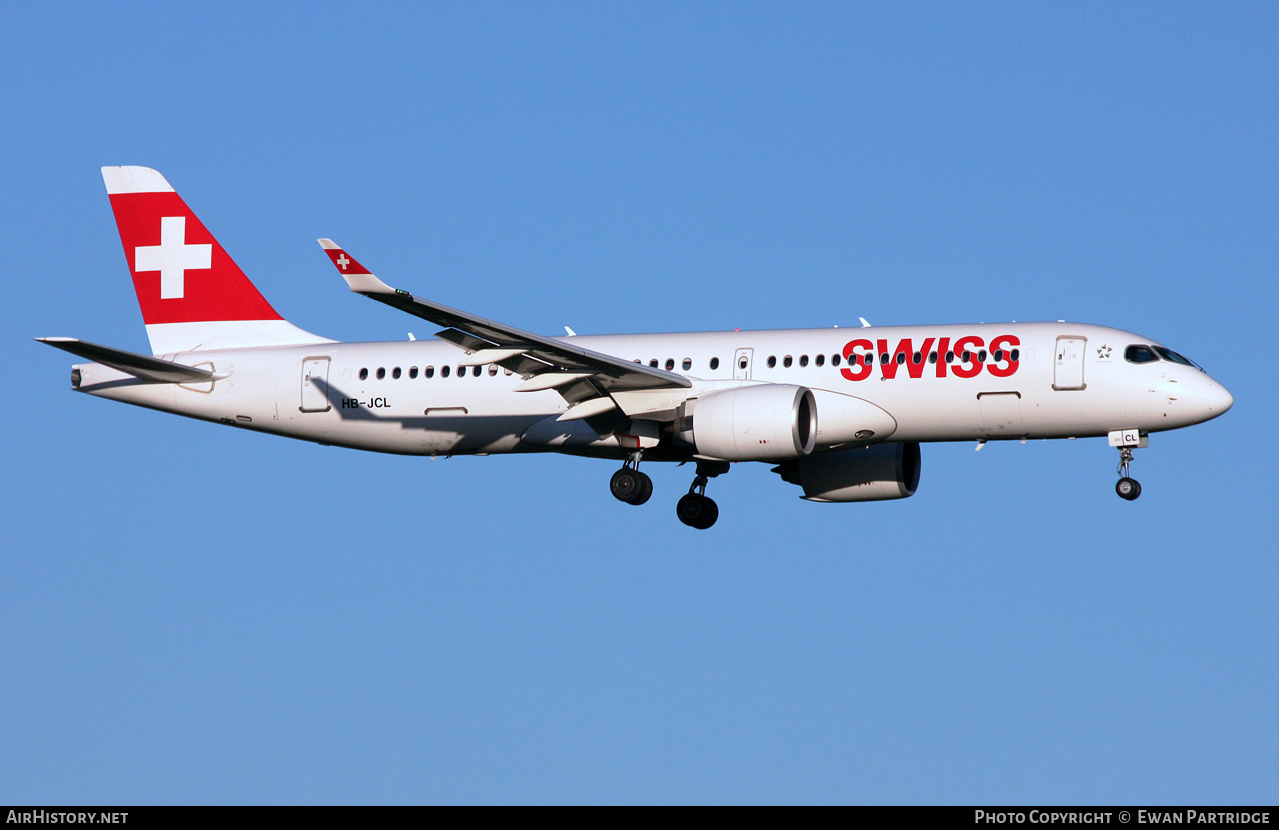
point(1216, 400)
point(1193, 397)
point(1205, 398)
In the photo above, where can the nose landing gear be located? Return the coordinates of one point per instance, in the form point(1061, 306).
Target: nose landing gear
point(1127, 440)
point(695, 509)
point(1127, 488)
point(629, 484)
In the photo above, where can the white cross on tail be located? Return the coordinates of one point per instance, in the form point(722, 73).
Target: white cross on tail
point(172, 257)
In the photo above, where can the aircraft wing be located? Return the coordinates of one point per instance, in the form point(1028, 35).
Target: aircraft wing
point(546, 363)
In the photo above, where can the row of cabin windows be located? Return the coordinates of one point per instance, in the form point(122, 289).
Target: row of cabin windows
point(885, 357)
point(429, 372)
point(687, 363)
point(820, 360)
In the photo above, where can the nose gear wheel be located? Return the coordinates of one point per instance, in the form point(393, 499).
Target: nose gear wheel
point(1127, 488)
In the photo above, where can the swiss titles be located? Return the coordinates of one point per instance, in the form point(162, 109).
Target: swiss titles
point(965, 357)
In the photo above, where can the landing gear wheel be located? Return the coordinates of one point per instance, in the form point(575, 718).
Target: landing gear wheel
point(645, 491)
point(1128, 488)
point(697, 511)
point(631, 486)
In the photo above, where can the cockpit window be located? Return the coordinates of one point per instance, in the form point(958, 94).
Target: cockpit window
point(1140, 354)
point(1173, 357)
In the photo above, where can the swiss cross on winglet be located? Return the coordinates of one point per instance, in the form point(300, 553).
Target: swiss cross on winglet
point(344, 261)
point(356, 275)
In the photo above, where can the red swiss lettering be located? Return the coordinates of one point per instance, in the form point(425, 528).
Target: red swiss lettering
point(942, 346)
point(862, 355)
point(856, 369)
point(1005, 343)
point(916, 369)
point(972, 367)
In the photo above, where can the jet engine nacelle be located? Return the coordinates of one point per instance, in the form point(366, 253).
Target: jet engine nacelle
point(752, 423)
point(876, 473)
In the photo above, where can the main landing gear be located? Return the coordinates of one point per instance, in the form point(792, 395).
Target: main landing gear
point(695, 509)
point(629, 484)
point(1126, 487)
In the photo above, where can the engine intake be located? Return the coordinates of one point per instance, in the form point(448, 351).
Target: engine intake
point(751, 423)
point(876, 473)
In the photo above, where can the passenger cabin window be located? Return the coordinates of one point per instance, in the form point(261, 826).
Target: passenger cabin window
point(395, 373)
point(772, 361)
point(741, 364)
point(1140, 354)
point(492, 370)
point(786, 361)
point(364, 374)
point(820, 360)
point(412, 372)
point(803, 360)
point(687, 364)
point(653, 363)
point(444, 371)
point(477, 371)
point(670, 364)
point(834, 360)
point(381, 373)
point(714, 363)
point(429, 371)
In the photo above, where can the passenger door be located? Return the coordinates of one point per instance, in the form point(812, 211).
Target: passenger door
point(315, 385)
point(1068, 372)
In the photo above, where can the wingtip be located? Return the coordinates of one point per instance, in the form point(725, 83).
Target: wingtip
point(367, 284)
point(356, 275)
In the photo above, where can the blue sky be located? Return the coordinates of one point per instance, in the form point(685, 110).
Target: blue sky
point(193, 614)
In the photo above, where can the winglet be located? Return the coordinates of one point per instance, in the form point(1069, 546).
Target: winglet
point(355, 274)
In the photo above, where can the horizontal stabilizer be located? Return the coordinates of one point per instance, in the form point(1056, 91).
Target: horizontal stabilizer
point(140, 366)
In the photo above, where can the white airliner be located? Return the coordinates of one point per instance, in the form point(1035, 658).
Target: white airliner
point(838, 412)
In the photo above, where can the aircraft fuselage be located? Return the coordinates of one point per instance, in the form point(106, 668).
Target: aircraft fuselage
point(413, 397)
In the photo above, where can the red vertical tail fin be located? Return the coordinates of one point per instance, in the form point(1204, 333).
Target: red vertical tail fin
point(192, 294)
